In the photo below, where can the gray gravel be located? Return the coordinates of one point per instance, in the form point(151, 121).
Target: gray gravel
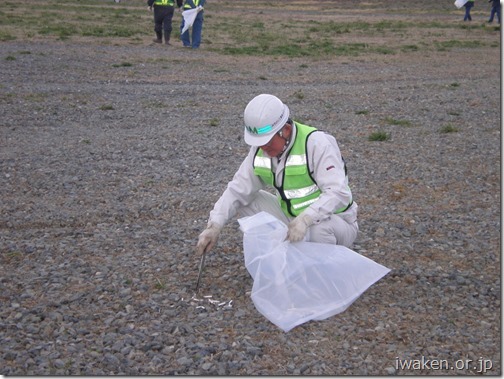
point(108, 172)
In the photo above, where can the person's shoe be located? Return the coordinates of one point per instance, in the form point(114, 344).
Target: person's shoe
point(167, 43)
point(157, 40)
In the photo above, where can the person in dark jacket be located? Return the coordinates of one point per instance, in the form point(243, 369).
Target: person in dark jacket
point(495, 10)
point(163, 15)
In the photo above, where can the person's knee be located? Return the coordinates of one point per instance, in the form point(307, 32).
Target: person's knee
point(334, 231)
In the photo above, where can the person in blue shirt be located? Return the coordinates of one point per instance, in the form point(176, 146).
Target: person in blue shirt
point(495, 10)
point(197, 26)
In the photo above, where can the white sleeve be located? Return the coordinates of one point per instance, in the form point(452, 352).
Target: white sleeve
point(240, 191)
point(328, 170)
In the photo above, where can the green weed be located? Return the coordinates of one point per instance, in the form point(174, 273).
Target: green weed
point(124, 64)
point(393, 121)
point(379, 136)
point(449, 128)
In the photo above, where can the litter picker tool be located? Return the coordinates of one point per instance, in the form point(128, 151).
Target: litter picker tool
point(201, 265)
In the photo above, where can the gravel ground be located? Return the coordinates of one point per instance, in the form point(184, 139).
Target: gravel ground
point(109, 170)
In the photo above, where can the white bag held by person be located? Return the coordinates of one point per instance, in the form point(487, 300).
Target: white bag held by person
point(189, 16)
point(460, 3)
point(298, 282)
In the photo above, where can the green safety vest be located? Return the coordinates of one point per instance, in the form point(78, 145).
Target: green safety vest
point(188, 5)
point(299, 189)
point(164, 2)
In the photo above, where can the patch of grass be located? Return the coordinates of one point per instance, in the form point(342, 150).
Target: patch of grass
point(391, 25)
point(299, 95)
point(8, 98)
point(107, 107)
point(103, 31)
point(10, 58)
point(408, 48)
point(123, 64)
point(63, 31)
point(379, 136)
point(451, 44)
point(5, 36)
point(449, 128)
point(13, 257)
point(160, 285)
point(351, 49)
point(214, 122)
point(35, 97)
point(156, 104)
point(393, 121)
point(364, 112)
point(384, 50)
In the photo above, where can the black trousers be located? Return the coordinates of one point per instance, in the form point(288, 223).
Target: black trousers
point(163, 16)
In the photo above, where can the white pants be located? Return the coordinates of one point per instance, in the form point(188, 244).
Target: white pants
point(334, 230)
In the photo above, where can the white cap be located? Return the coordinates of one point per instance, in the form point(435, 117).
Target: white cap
point(264, 116)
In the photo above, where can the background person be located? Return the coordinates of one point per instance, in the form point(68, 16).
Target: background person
point(197, 26)
point(495, 10)
point(468, 6)
point(305, 167)
point(163, 15)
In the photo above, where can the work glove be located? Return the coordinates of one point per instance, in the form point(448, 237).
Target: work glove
point(298, 227)
point(208, 238)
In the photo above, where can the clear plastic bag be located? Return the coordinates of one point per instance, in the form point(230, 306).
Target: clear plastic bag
point(298, 282)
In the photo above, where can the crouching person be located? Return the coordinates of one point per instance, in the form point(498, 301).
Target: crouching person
point(304, 166)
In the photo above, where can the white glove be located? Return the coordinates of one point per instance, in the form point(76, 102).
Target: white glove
point(298, 227)
point(208, 238)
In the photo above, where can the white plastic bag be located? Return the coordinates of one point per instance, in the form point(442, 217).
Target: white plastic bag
point(189, 16)
point(460, 3)
point(295, 283)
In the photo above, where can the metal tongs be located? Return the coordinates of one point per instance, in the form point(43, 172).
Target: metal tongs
point(201, 265)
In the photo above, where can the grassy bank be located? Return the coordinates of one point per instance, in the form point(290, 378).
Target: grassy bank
point(319, 29)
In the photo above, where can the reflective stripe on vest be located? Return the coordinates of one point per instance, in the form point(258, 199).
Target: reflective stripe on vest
point(194, 3)
point(163, 2)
